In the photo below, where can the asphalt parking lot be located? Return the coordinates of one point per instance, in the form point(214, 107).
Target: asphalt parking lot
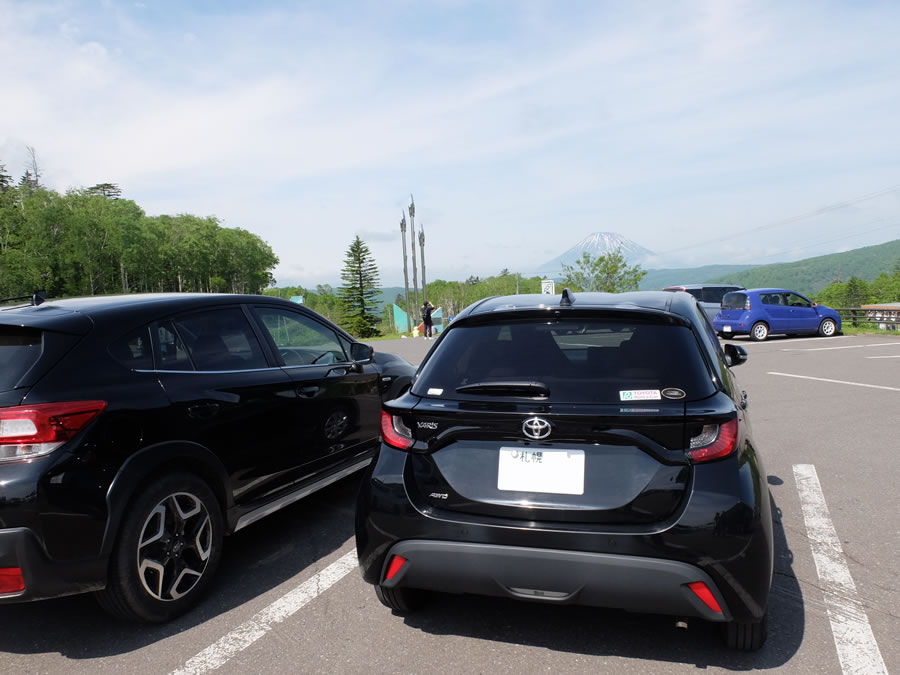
point(289, 599)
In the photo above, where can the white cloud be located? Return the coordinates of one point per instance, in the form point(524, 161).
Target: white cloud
point(668, 123)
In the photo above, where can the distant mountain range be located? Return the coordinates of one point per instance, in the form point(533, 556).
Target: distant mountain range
point(811, 275)
point(808, 276)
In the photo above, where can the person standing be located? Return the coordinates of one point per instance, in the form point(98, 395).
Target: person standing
point(427, 308)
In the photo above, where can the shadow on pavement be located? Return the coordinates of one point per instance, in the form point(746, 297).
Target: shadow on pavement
point(598, 632)
point(254, 561)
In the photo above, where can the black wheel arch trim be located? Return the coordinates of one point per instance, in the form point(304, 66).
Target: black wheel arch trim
point(131, 478)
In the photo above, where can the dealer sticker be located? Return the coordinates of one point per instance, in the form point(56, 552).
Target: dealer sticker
point(640, 395)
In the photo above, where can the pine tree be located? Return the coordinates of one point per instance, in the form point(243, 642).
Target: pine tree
point(6, 181)
point(360, 291)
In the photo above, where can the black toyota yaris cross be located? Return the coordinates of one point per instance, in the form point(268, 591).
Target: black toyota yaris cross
point(591, 449)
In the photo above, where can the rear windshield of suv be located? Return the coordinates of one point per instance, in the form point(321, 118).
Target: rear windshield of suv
point(734, 301)
point(578, 360)
point(20, 348)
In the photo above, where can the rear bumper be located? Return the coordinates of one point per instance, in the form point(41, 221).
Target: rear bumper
point(631, 583)
point(43, 577)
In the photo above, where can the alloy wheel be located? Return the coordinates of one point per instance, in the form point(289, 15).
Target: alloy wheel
point(174, 546)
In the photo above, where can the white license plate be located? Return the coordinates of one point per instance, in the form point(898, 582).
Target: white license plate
point(552, 471)
point(726, 329)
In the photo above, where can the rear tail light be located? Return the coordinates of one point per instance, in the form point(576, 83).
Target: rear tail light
point(28, 431)
point(702, 591)
point(394, 432)
point(11, 580)
point(747, 303)
point(397, 562)
point(714, 441)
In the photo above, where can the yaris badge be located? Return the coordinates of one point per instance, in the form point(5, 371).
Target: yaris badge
point(536, 428)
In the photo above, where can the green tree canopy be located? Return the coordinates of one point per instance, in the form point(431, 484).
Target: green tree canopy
point(359, 292)
point(609, 273)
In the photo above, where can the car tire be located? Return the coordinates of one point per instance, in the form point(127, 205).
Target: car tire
point(746, 636)
point(403, 600)
point(828, 328)
point(759, 331)
point(166, 552)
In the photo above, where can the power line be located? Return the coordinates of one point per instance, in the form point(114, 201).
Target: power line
point(829, 241)
point(787, 221)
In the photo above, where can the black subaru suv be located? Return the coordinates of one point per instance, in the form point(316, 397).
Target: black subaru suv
point(137, 430)
point(590, 449)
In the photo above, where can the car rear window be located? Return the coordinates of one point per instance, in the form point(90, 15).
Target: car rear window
point(578, 360)
point(714, 294)
point(734, 301)
point(20, 348)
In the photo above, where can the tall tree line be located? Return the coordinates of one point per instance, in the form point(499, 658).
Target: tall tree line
point(88, 241)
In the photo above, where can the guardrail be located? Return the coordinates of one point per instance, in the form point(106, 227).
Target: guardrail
point(884, 318)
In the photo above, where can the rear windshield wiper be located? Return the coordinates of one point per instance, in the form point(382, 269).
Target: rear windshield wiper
point(500, 388)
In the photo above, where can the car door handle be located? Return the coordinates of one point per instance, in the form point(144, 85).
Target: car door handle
point(307, 391)
point(203, 411)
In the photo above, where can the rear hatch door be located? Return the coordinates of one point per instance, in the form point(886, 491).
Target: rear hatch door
point(32, 339)
point(574, 420)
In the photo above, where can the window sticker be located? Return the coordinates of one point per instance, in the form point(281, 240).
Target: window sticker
point(640, 395)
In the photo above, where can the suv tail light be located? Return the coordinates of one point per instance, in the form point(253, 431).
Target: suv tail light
point(28, 431)
point(11, 580)
point(714, 441)
point(747, 304)
point(394, 432)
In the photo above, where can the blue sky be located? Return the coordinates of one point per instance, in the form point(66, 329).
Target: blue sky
point(520, 126)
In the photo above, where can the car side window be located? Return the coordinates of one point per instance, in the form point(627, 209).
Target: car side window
point(771, 299)
point(794, 300)
point(133, 350)
point(301, 340)
point(221, 339)
point(171, 353)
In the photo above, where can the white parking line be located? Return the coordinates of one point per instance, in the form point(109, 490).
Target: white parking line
point(218, 653)
point(856, 647)
point(777, 342)
point(825, 379)
point(826, 349)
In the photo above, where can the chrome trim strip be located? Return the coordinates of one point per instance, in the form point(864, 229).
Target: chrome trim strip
point(280, 503)
point(207, 372)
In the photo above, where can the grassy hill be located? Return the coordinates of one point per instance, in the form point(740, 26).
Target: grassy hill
point(811, 275)
point(657, 279)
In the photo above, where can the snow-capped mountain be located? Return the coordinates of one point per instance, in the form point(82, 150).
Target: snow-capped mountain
point(598, 243)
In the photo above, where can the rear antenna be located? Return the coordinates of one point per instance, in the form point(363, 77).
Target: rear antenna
point(38, 298)
point(566, 300)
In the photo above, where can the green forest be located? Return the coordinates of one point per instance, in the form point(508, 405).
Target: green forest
point(90, 241)
point(811, 275)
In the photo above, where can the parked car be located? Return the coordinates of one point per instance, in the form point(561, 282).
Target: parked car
point(760, 312)
point(136, 431)
point(709, 296)
point(590, 449)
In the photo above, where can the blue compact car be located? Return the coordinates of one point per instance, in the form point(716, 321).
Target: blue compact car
point(759, 312)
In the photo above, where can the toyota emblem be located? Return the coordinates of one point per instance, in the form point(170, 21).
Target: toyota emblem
point(536, 428)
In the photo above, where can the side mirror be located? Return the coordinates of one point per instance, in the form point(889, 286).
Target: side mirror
point(735, 355)
point(361, 353)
